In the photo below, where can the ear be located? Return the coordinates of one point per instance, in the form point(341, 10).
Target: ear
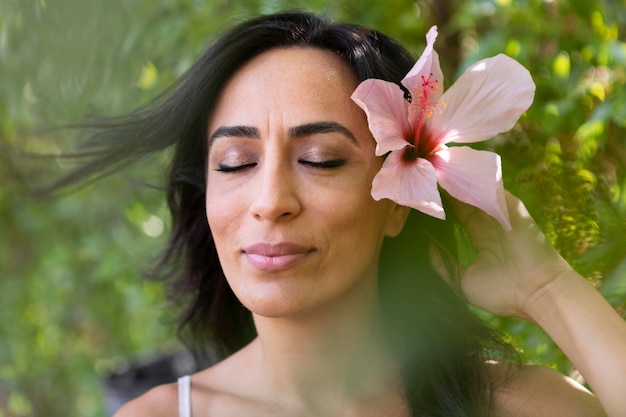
point(396, 219)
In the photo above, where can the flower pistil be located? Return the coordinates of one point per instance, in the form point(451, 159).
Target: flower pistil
point(425, 104)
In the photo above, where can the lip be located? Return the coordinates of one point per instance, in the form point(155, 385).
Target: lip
point(275, 257)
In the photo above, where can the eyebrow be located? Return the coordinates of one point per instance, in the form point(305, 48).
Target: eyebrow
point(295, 132)
point(235, 131)
point(321, 127)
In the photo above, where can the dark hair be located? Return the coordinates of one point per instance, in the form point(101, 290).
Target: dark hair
point(441, 343)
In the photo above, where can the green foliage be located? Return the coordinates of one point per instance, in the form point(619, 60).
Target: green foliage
point(71, 299)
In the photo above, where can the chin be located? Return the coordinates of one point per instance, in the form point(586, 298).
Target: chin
point(275, 301)
point(279, 310)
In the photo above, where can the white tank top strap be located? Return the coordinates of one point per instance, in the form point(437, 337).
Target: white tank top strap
point(184, 396)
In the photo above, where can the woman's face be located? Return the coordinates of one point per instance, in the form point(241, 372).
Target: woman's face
point(290, 168)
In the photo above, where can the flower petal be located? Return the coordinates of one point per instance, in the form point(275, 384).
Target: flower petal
point(473, 177)
point(427, 63)
point(386, 110)
point(426, 93)
point(425, 82)
point(412, 184)
point(486, 100)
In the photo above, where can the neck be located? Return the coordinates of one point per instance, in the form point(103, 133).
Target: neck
point(324, 360)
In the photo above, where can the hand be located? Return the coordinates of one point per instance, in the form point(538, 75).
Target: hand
point(513, 268)
point(518, 273)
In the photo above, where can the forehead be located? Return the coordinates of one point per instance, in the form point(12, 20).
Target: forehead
point(291, 78)
point(297, 64)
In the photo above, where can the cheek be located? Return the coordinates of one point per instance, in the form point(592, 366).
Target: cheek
point(222, 211)
point(355, 218)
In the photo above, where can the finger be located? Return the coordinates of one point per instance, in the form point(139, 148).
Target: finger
point(478, 224)
point(518, 213)
point(450, 271)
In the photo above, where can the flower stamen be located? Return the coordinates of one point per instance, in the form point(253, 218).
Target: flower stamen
point(422, 102)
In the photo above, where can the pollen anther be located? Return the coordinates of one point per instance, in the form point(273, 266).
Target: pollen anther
point(424, 103)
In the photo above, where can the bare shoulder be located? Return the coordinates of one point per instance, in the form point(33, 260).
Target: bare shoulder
point(161, 401)
point(538, 391)
point(215, 391)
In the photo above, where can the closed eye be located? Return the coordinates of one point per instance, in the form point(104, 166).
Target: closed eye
point(328, 164)
point(234, 168)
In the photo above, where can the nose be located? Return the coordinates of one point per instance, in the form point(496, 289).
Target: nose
point(276, 195)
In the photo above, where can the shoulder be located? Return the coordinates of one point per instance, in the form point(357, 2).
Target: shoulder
point(537, 391)
point(161, 401)
point(211, 393)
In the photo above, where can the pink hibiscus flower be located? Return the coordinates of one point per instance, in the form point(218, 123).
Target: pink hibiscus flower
point(486, 100)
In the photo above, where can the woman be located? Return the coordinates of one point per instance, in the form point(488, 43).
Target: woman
point(276, 245)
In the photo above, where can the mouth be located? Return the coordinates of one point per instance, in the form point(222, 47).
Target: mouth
point(275, 257)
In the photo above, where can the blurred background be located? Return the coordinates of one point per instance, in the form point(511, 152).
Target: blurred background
point(78, 322)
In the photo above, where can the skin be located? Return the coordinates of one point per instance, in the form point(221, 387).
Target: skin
point(519, 274)
point(269, 186)
point(320, 350)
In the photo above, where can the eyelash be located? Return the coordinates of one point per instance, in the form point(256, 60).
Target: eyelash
point(329, 164)
point(228, 169)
